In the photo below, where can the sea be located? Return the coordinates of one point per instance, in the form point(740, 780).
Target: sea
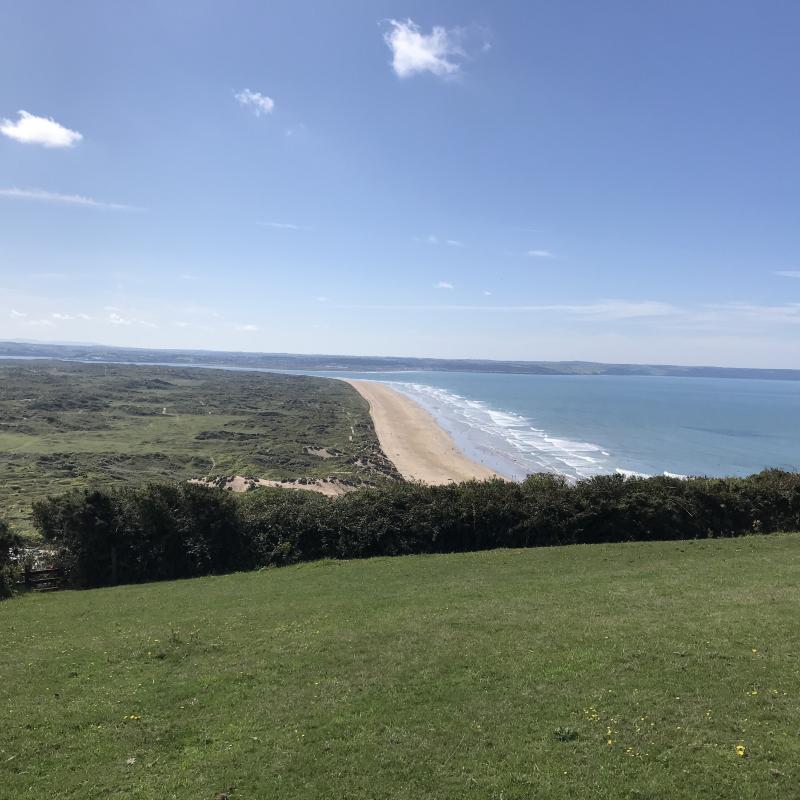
point(584, 425)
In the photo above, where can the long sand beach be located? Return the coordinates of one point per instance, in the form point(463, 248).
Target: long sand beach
point(420, 449)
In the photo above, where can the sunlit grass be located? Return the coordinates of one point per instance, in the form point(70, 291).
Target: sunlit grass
point(666, 670)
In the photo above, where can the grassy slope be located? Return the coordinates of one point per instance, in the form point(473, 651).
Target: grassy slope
point(65, 425)
point(418, 677)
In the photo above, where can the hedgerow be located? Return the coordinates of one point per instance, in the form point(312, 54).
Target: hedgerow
point(167, 531)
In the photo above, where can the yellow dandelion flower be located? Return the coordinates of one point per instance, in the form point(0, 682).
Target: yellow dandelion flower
point(741, 751)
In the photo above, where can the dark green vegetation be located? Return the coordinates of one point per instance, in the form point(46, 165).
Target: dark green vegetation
point(376, 363)
point(174, 531)
point(605, 671)
point(66, 425)
point(9, 543)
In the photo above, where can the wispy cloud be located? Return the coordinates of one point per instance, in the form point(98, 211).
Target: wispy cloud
point(289, 226)
point(116, 318)
point(414, 52)
point(540, 254)
point(487, 293)
point(708, 316)
point(603, 310)
point(30, 129)
point(298, 129)
point(44, 196)
point(784, 312)
point(14, 314)
point(62, 317)
point(259, 103)
point(432, 238)
point(246, 328)
point(443, 285)
point(788, 273)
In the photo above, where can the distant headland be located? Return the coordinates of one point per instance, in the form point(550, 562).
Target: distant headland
point(294, 361)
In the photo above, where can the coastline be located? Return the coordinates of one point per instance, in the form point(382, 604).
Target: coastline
point(412, 439)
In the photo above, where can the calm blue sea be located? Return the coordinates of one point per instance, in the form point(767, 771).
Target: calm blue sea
point(586, 425)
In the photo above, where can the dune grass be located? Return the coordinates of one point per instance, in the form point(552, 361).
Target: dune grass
point(603, 671)
point(68, 425)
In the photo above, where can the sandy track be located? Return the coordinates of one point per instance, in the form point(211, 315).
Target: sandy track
point(420, 449)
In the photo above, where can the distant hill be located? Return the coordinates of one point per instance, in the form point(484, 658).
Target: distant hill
point(101, 353)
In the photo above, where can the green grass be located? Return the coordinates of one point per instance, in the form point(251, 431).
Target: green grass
point(72, 425)
point(500, 674)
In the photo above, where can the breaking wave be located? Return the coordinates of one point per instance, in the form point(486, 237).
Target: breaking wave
point(505, 441)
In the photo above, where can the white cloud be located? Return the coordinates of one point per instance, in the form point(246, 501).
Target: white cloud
point(17, 314)
point(260, 103)
point(455, 243)
point(30, 129)
point(540, 254)
point(414, 51)
point(322, 299)
point(43, 323)
point(65, 199)
point(788, 273)
point(487, 293)
point(249, 328)
point(117, 319)
point(60, 316)
point(281, 225)
point(443, 285)
point(181, 324)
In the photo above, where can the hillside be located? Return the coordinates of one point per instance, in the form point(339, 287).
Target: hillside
point(604, 671)
point(315, 362)
point(64, 425)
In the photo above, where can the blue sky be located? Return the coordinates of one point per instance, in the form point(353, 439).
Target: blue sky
point(615, 181)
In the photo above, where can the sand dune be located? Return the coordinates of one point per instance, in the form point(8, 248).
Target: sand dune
point(420, 449)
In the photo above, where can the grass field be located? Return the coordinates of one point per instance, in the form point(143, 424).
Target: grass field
point(64, 425)
point(603, 671)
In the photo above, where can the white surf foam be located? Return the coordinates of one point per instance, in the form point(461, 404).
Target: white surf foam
point(629, 473)
point(506, 437)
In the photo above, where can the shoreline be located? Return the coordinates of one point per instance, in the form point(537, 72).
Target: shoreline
point(414, 441)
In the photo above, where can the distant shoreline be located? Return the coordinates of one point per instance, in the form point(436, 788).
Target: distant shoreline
point(412, 439)
point(343, 363)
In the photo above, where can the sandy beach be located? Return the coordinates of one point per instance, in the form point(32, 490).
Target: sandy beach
point(420, 449)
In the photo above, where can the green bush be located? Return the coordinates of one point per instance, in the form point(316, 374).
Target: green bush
point(165, 531)
point(9, 545)
point(157, 532)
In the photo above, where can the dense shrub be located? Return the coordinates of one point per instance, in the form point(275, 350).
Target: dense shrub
point(9, 543)
point(157, 532)
point(167, 531)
